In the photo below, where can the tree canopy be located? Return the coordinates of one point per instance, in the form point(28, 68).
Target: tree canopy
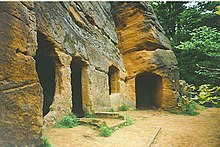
point(193, 29)
point(199, 57)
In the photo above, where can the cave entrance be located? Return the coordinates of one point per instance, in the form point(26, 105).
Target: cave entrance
point(113, 80)
point(76, 83)
point(45, 68)
point(148, 88)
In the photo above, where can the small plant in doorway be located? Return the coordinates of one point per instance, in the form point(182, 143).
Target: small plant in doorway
point(67, 122)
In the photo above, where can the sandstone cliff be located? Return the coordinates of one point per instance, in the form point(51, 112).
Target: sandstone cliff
point(20, 92)
point(145, 49)
point(63, 57)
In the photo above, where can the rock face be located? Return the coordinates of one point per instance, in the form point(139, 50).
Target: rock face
point(146, 53)
point(20, 91)
point(63, 57)
point(85, 32)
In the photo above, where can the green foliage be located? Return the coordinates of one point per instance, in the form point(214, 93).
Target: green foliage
point(188, 107)
point(46, 142)
point(105, 131)
point(174, 111)
point(124, 108)
point(67, 122)
point(199, 57)
point(194, 35)
point(208, 96)
point(197, 106)
point(168, 16)
point(218, 10)
point(111, 110)
point(198, 99)
point(89, 115)
point(201, 14)
point(179, 19)
point(129, 121)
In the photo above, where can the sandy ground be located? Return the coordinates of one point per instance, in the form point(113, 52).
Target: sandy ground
point(202, 130)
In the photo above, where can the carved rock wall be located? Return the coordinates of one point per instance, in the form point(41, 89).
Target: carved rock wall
point(81, 33)
point(86, 31)
point(145, 48)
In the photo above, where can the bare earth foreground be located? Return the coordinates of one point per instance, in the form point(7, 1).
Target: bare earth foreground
point(202, 130)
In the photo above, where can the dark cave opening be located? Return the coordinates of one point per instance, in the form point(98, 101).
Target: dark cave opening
point(76, 83)
point(148, 88)
point(113, 79)
point(45, 68)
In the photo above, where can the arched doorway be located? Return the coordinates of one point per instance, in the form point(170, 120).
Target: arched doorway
point(45, 68)
point(113, 80)
point(76, 82)
point(148, 88)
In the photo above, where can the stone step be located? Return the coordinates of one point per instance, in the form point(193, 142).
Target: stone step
point(99, 122)
point(92, 121)
point(116, 124)
point(108, 115)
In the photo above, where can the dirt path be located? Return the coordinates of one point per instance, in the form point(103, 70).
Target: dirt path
point(176, 130)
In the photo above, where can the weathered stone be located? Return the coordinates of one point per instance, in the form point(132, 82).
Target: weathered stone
point(136, 27)
point(43, 40)
point(92, 121)
point(145, 49)
point(108, 115)
point(62, 102)
point(99, 90)
point(22, 122)
point(116, 100)
point(20, 92)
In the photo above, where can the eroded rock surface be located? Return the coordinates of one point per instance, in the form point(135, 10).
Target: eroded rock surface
point(86, 31)
point(20, 91)
point(103, 46)
point(145, 48)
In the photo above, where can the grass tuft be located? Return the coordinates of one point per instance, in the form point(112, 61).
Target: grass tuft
point(124, 108)
point(129, 121)
point(189, 110)
point(105, 131)
point(111, 110)
point(46, 142)
point(175, 111)
point(67, 122)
